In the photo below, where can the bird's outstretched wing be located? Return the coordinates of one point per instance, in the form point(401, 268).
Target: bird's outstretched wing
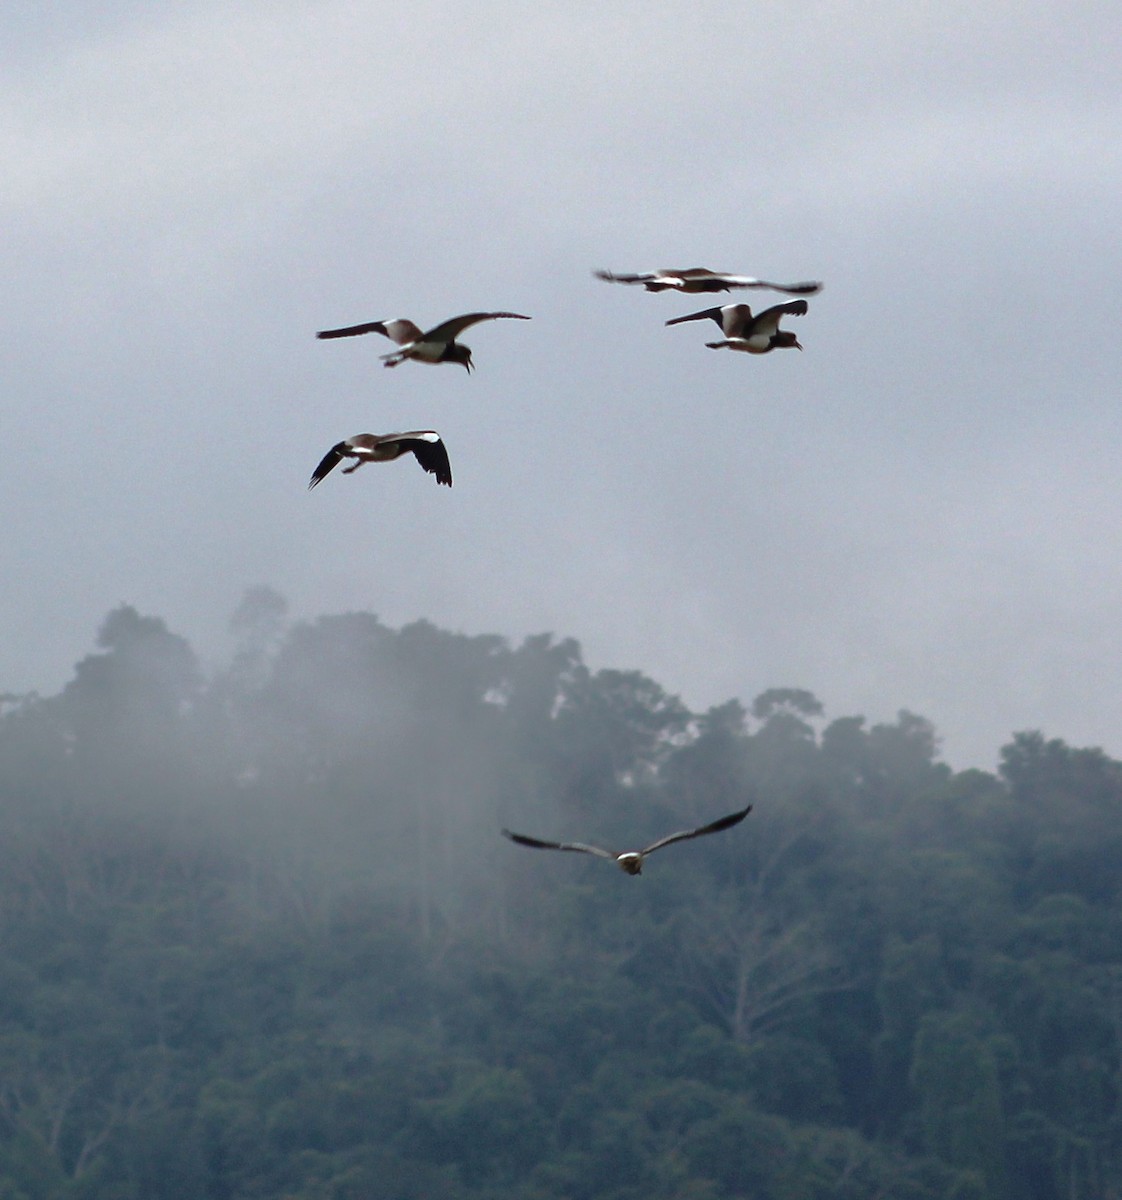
point(810, 287)
point(692, 279)
point(714, 827)
point(446, 331)
point(400, 331)
point(430, 452)
point(328, 463)
point(538, 844)
point(641, 277)
point(712, 314)
point(734, 320)
point(767, 322)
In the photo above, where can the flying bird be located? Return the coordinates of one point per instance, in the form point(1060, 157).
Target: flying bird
point(424, 444)
point(437, 345)
point(631, 861)
point(701, 279)
point(753, 334)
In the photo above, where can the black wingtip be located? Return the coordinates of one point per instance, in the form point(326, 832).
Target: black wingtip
point(328, 463)
point(711, 314)
point(723, 823)
point(734, 818)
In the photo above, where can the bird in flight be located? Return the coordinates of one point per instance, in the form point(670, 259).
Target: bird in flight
point(701, 279)
point(424, 444)
point(631, 861)
point(753, 334)
point(437, 345)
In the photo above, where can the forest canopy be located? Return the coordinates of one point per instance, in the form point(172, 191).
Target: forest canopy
point(261, 937)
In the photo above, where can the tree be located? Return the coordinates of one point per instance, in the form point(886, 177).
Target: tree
point(954, 1074)
point(752, 972)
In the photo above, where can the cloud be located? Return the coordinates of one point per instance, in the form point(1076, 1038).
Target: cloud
point(916, 512)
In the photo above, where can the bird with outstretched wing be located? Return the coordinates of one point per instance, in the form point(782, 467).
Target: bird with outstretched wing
point(425, 445)
point(435, 345)
point(701, 279)
point(631, 861)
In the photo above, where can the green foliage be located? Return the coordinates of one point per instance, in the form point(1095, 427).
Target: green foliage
point(259, 936)
point(954, 1075)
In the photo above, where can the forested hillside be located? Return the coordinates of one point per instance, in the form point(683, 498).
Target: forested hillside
point(261, 936)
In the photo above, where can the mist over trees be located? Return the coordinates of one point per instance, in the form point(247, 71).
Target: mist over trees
point(261, 937)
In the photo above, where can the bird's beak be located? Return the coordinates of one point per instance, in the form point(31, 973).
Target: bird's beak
point(798, 345)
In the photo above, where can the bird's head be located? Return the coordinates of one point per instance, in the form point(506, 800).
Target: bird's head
point(631, 862)
point(459, 353)
point(785, 340)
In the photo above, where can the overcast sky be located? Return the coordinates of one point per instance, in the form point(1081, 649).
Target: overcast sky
point(923, 510)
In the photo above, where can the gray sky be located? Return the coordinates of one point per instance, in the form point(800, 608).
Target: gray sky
point(921, 511)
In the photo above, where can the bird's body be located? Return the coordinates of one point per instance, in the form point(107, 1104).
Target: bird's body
point(435, 345)
point(700, 279)
point(631, 861)
point(752, 334)
point(424, 444)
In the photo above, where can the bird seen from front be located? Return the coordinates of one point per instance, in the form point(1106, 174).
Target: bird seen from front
point(631, 861)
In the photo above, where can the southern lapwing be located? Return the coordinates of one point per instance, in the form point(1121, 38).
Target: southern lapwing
point(424, 444)
point(631, 861)
point(437, 345)
point(701, 279)
point(753, 334)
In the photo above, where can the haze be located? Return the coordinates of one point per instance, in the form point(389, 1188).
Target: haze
point(918, 512)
